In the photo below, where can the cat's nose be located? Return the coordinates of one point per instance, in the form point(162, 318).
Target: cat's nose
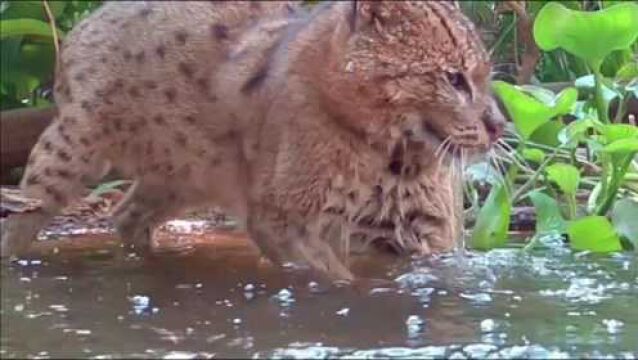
point(494, 129)
point(494, 122)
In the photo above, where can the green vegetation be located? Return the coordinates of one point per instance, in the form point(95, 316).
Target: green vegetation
point(27, 47)
point(553, 161)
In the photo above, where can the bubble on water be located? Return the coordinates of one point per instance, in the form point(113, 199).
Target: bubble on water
point(58, 308)
point(343, 312)
point(180, 355)
point(488, 326)
point(479, 298)
point(140, 303)
point(479, 350)
point(284, 297)
point(414, 325)
point(416, 279)
point(457, 355)
point(613, 326)
point(249, 287)
point(236, 321)
point(25, 279)
point(18, 307)
point(313, 286)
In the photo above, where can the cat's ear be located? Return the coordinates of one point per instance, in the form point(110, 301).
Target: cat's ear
point(362, 13)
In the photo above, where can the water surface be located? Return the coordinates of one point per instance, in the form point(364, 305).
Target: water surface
point(221, 301)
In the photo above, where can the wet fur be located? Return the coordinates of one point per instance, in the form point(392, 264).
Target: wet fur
point(316, 129)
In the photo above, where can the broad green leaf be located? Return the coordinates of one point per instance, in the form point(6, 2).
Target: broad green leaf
point(565, 176)
point(31, 9)
point(588, 35)
point(492, 221)
point(628, 72)
point(527, 112)
point(624, 216)
point(593, 233)
point(547, 134)
point(25, 27)
point(548, 216)
point(615, 132)
point(534, 155)
point(622, 146)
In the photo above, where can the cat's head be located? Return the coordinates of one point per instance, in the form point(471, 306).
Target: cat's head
point(412, 71)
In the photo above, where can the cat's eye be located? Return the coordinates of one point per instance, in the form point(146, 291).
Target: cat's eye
point(457, 80)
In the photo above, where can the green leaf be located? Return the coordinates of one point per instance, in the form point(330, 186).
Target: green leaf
point(624, 216)
point(534, 155)
point(622, 146)
point(615, 132)
point(588, 35)
point(593, 233)
point(108, 187)
point(547, 134)
point(628, 72)
point(31, 9)
point(25, 27)
point(548, 216)
point(492, 221)
point(565, 176)
point(527, 112)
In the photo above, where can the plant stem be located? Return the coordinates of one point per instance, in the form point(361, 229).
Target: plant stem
point(532, 180)
point(614, 185)
point(600, 101)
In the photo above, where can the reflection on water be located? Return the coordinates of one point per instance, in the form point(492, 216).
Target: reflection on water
point(222, 302)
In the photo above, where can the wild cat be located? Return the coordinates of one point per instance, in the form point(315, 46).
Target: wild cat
point(314, 128)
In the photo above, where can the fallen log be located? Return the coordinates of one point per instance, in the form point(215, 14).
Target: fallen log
point(19, 131)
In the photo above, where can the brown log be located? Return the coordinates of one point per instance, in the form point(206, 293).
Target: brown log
point(19, 131)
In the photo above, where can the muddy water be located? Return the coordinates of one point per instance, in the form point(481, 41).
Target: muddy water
point(219, 300)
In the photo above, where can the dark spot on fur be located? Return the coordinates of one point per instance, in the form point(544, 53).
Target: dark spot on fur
point(69, 120)
point(180, 139)
point(160, 50)
point(171, 94)
point(84, 141)
point(134, 91)
point(181, 36)
point(55, 194)
point(190, 119)
point(91, 70)
point(85, 159)
point(47, 172)
point(86, 105)
point(159, 119)
point(140, 56)
point(64, 174)
point(395, 167)
point(255, 80)
point(118, 83)
point(145, 12)
point(186, 69)
point(167, 151)
point(103, 59)
point(32, 179)
point(117, 124)
point(63, 155)
point(127, 55)
point(150, 84)
point(79, 77)
point(47, 146)
point(219, 31)
point(215, 161)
